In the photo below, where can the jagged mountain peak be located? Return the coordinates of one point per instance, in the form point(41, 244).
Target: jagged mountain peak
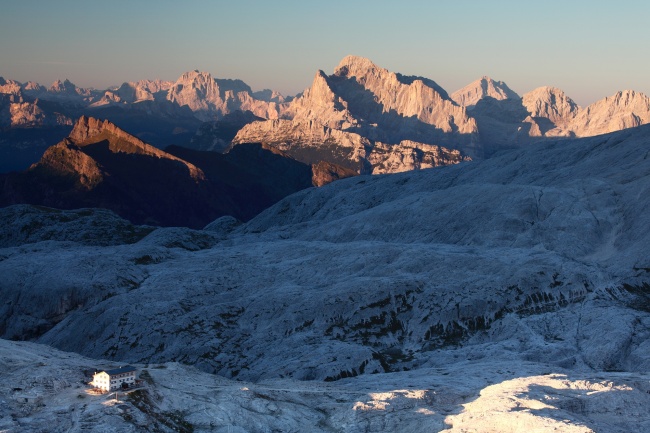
point(269, 95)
point(625, 109)
point(362, 102)
point(369, 74)
point(89, 130)
point(484, 87)
point(65, 86)
point(88, 127)
point(195, 75)
point(549, 94)
point(32, 85)
point(626, 97)
point(552, 103)
point(320, 86)
point(355, 65)
point(210, 98)
point(545, 90)
point(135, 91)
point(9, 86)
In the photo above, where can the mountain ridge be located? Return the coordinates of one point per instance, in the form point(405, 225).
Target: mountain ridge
point(100, 165)
point(359, 97)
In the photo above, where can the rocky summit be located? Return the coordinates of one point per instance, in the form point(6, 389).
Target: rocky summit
point(485, 87)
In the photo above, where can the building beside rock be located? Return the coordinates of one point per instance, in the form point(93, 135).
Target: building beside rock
point(111, 380)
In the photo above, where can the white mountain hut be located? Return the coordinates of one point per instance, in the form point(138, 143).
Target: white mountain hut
point(111, 380)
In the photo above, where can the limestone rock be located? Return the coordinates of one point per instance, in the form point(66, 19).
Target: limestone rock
point(410, 155)
point(211, 99)
point(551, 104)
point(309, 142)
point(67, 92)
point(623, 110)
point(9, 87)
point(90, 130)
point(482, 88)
point(361, 94)
point(325, 172)
point(32, 86)
point(533, 257)
point(320, 104)
point(25, 224)
point(31, 114)
point(66, 160)
point(354, 117)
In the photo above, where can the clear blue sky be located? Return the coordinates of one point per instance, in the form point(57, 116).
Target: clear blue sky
point(590, 49)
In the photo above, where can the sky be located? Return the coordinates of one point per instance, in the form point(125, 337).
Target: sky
point(589, 49)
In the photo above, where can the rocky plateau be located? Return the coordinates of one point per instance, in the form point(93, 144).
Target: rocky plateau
point(496, 295)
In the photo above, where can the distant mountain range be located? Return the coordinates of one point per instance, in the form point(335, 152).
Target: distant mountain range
point(370, 106)
point(33, 117)
point(362, 117)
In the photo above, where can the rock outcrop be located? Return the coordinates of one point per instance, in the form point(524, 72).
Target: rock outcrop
point(485, 87)
point(325, 172)
point(35, 114)
point(410, 155)
point(309, 142)
point(362, 95)
point(313, 143)
point(89, 130)
point(550, 112)
point(365, 103)
point(10, 87)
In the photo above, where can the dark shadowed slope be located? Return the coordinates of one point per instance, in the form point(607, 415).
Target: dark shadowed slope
point(99, 165)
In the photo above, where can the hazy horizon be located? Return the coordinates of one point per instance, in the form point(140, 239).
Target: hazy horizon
point(589, 49)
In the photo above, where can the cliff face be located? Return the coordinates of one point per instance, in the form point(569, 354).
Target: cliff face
point(65, 159)
point(485, 87)
point(89, 130)
point(324, 172)
point(623, 110)
point(410, 155)
point(382, 92)
point(360, 95)
point(313, 143)
point(363, 115)
point(212, 99)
